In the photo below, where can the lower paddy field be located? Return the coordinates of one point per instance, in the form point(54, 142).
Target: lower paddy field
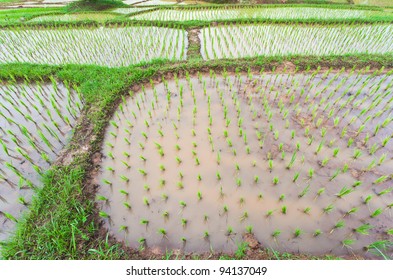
point(265, 154)
point(181, 132)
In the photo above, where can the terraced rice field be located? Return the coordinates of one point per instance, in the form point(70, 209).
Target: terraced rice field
point(300, 160)
point(194, 130)
point(36, 119)
point(236, 41)
point(255, 13)
point(112, 47)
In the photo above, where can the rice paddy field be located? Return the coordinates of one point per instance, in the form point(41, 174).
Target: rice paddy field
point(112, 47)
point(35, 126)
point(158, 130)
point(271, 40)
point(256, 13)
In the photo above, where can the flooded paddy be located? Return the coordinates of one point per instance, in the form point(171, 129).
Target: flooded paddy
point(255, 13)
point(112, 47)
point(301, 160)
point(276, 40)
point(36, 120)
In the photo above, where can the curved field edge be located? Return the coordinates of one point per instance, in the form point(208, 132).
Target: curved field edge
point(63, 222)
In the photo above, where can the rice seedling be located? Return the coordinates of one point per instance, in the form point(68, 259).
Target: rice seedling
point(381, 179)
point(338, 225)
point(328, 208)
point(317, 232)
point(348, 242)
point(376, 213)
point(163, 232)
point(363, 229)
point(298, 232)
point(344, 191)
point(276, 233)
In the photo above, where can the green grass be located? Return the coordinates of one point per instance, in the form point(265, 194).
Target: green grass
point(60, 222)
point(15, 15)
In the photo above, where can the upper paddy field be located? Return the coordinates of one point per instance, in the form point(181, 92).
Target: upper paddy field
point(157, 129)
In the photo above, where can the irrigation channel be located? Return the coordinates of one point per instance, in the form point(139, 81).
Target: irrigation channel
point(36, 120)
point(301, 160)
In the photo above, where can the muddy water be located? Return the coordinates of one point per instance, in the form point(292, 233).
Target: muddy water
point(37, 115)
point(270, 109)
